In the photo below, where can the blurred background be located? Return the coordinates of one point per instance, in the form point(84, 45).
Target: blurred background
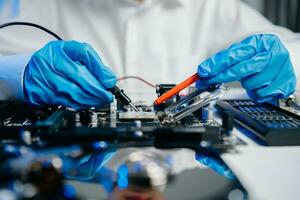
point(281, 12)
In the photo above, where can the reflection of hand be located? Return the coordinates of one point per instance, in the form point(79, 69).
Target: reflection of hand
point(68, 73)
point(214, 162)
point(87, 167)
point(260, 62)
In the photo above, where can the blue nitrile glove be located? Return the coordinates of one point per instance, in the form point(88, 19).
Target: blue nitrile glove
point(215, 163)
point(68, 73)
point(260, 62)
point(87, 167)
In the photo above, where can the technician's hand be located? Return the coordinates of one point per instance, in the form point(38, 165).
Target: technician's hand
point(68, 73)
point(260, 62)
point(87, 167)
point(215, 163)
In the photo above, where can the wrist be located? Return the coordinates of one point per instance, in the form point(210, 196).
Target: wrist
point(11, 75)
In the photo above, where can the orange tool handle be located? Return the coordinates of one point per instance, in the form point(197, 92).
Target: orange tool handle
point(177, 89)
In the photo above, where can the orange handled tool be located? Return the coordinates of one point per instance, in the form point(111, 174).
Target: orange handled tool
point(177, 89)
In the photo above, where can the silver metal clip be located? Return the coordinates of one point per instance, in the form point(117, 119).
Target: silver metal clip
point(192, 103)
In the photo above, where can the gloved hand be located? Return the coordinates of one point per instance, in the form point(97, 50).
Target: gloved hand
point(68, 73)
point(88, 166)
point(214, 162)
point(260, 62)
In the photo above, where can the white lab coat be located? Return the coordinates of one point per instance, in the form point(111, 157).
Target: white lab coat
point(161, 41)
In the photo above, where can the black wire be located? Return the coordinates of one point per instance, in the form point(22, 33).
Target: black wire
point(32, 25)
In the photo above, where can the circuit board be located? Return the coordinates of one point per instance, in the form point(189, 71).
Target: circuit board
point(120, 127)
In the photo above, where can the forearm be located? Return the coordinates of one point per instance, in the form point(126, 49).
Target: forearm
point(11, 76)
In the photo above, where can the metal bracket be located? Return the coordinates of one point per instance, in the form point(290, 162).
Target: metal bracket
point(192, 103)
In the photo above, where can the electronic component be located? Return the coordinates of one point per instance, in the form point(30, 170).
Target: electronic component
point(291, 104)
point(191, 103)
point(143, 116)
point(160, 90)
point(121, 96)
point(271, 124)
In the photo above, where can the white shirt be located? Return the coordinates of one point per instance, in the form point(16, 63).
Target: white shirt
point(162, 41)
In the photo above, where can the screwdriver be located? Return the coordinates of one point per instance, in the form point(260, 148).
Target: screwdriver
point(121, 96)
point(175, 90)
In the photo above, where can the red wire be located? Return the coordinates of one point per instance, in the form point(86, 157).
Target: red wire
point(138, 78)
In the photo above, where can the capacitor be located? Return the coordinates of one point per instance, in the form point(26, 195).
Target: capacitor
point(210, 114)
point(227, 123)
point(138, 125)
point(204, 114)
point(113, 114)
point(77, 119)
point(94, 119)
